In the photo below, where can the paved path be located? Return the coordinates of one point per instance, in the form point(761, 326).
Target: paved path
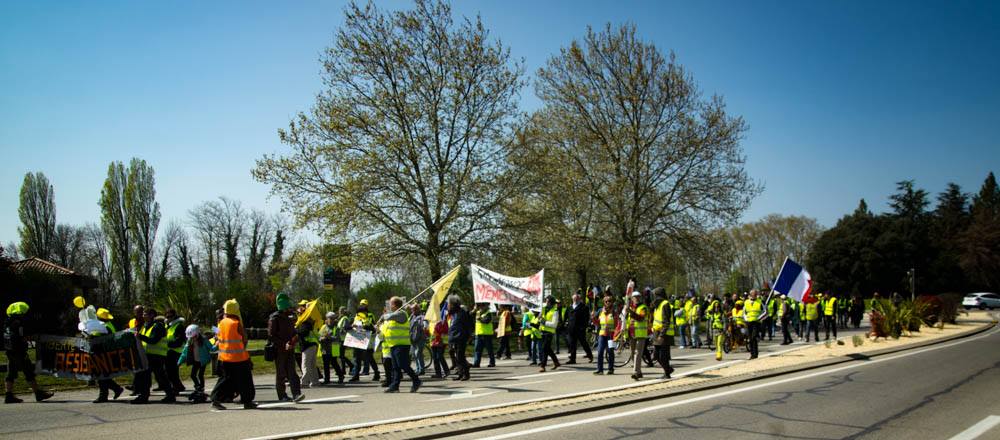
point(938, 392)
point(71, 415)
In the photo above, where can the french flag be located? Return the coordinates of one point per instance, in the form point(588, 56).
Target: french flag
point(794, 281)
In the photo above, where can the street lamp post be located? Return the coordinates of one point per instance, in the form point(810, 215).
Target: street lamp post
point(913, 283)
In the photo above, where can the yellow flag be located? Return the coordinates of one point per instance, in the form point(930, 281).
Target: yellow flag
point(440, 288)
point(311, 312)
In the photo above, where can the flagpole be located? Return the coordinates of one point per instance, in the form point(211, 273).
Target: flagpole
point(771, 293)
point(411, 300)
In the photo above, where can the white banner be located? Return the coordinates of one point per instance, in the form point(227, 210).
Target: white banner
point(491, 287)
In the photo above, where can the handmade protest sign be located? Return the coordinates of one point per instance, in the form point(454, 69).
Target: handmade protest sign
point(101, 357)
point(360, 339)
point(495, 288)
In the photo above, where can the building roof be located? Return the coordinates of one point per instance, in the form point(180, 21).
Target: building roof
point(40, 265)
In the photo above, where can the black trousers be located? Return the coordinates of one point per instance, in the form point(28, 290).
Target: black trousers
point(345, 362)
point(198, 376)
point(104, 385)
point(174, 370)
point(579, 337)
point(238, 377)
point(284, 370)
point(831, 323)
point(754, 327)
point(785, 333)
point(547, 348)
point(330, 361)
point(504, 347)
point(662, 353)
point(363, 360)
point(144, 379)
point(459, 360)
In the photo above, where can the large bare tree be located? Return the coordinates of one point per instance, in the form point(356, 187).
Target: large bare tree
point(405, 151)
point(661, 164)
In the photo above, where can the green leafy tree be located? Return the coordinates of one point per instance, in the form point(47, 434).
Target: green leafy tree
point(405, 151)
point(980, 243)
point(114, 223)
point(142, 213)
point(38, 217)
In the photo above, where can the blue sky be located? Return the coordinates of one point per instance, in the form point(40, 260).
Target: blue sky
point(842, 98)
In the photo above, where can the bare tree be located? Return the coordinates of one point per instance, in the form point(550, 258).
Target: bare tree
point(663, 165)
point(114, 223)
point(405, 151)
point(68, 246)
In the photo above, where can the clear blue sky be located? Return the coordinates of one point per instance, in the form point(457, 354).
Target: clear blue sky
point(842, 98)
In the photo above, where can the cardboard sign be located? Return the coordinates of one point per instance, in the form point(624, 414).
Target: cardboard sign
point(360, 339)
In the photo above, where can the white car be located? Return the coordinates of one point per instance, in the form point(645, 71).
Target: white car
point(981, 300)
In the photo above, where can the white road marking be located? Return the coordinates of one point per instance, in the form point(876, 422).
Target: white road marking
point(731, 392)
point(469, 393)
point(978, 429)
point(540, 399)
point(529, 376)
point(277, 404)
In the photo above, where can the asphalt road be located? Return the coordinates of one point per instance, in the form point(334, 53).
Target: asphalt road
point(937, 392)
point(71, 415)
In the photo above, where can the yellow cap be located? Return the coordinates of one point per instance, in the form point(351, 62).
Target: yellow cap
point(231, 307)
point(18, 308)
point(79, 302)
point(303, 302)
point(364, 302)
point(104, 314)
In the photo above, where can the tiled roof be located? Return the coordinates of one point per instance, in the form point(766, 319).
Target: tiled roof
point(40, 265)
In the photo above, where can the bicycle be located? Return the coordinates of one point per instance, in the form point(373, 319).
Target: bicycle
point(735, 336)
point(621, 360)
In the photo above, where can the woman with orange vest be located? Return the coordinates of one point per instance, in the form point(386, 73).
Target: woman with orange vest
point(234, 360)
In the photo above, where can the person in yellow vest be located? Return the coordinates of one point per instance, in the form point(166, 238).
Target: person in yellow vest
point(343, 323)
point(810, 311)
point(713, 315)
point(549, 322)
point(383, 331)
point(830, 315)
point(18, 334)
point(753, 311)
point(175, 344)
point(137, 318)
point(504, 329)
point(153, 337)
point(329, 343)
point(234, 360)
point(397, 337)
point(605, 333)
point(639, 331)
point(106, 385)
point(307, 330)
point(692, 310)
point(363, 359)
point(527, 335)
point(680, 321)
point(663, 330)
point(785, 313)
point(484, 335)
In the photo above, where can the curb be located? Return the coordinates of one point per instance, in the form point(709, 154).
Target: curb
point(618, 401)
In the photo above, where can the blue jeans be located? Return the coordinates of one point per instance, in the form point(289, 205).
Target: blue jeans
point(534, 349)
point(695, 342)
point(602, 349)
point(401, 364)
point(682, 333)
point(483, 341)
point(417, 353)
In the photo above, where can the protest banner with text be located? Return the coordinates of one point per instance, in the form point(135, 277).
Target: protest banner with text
point(494, 288)
point(101, 357)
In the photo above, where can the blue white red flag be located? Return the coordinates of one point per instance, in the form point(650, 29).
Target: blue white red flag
point(794, 282)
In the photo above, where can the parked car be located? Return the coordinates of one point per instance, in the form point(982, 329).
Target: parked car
point(981, 300)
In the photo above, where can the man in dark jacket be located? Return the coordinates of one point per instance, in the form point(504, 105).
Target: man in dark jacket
point(281, 334)
point(153, 336)
point(459, 333)
point(577, 323)
point(16, 335)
